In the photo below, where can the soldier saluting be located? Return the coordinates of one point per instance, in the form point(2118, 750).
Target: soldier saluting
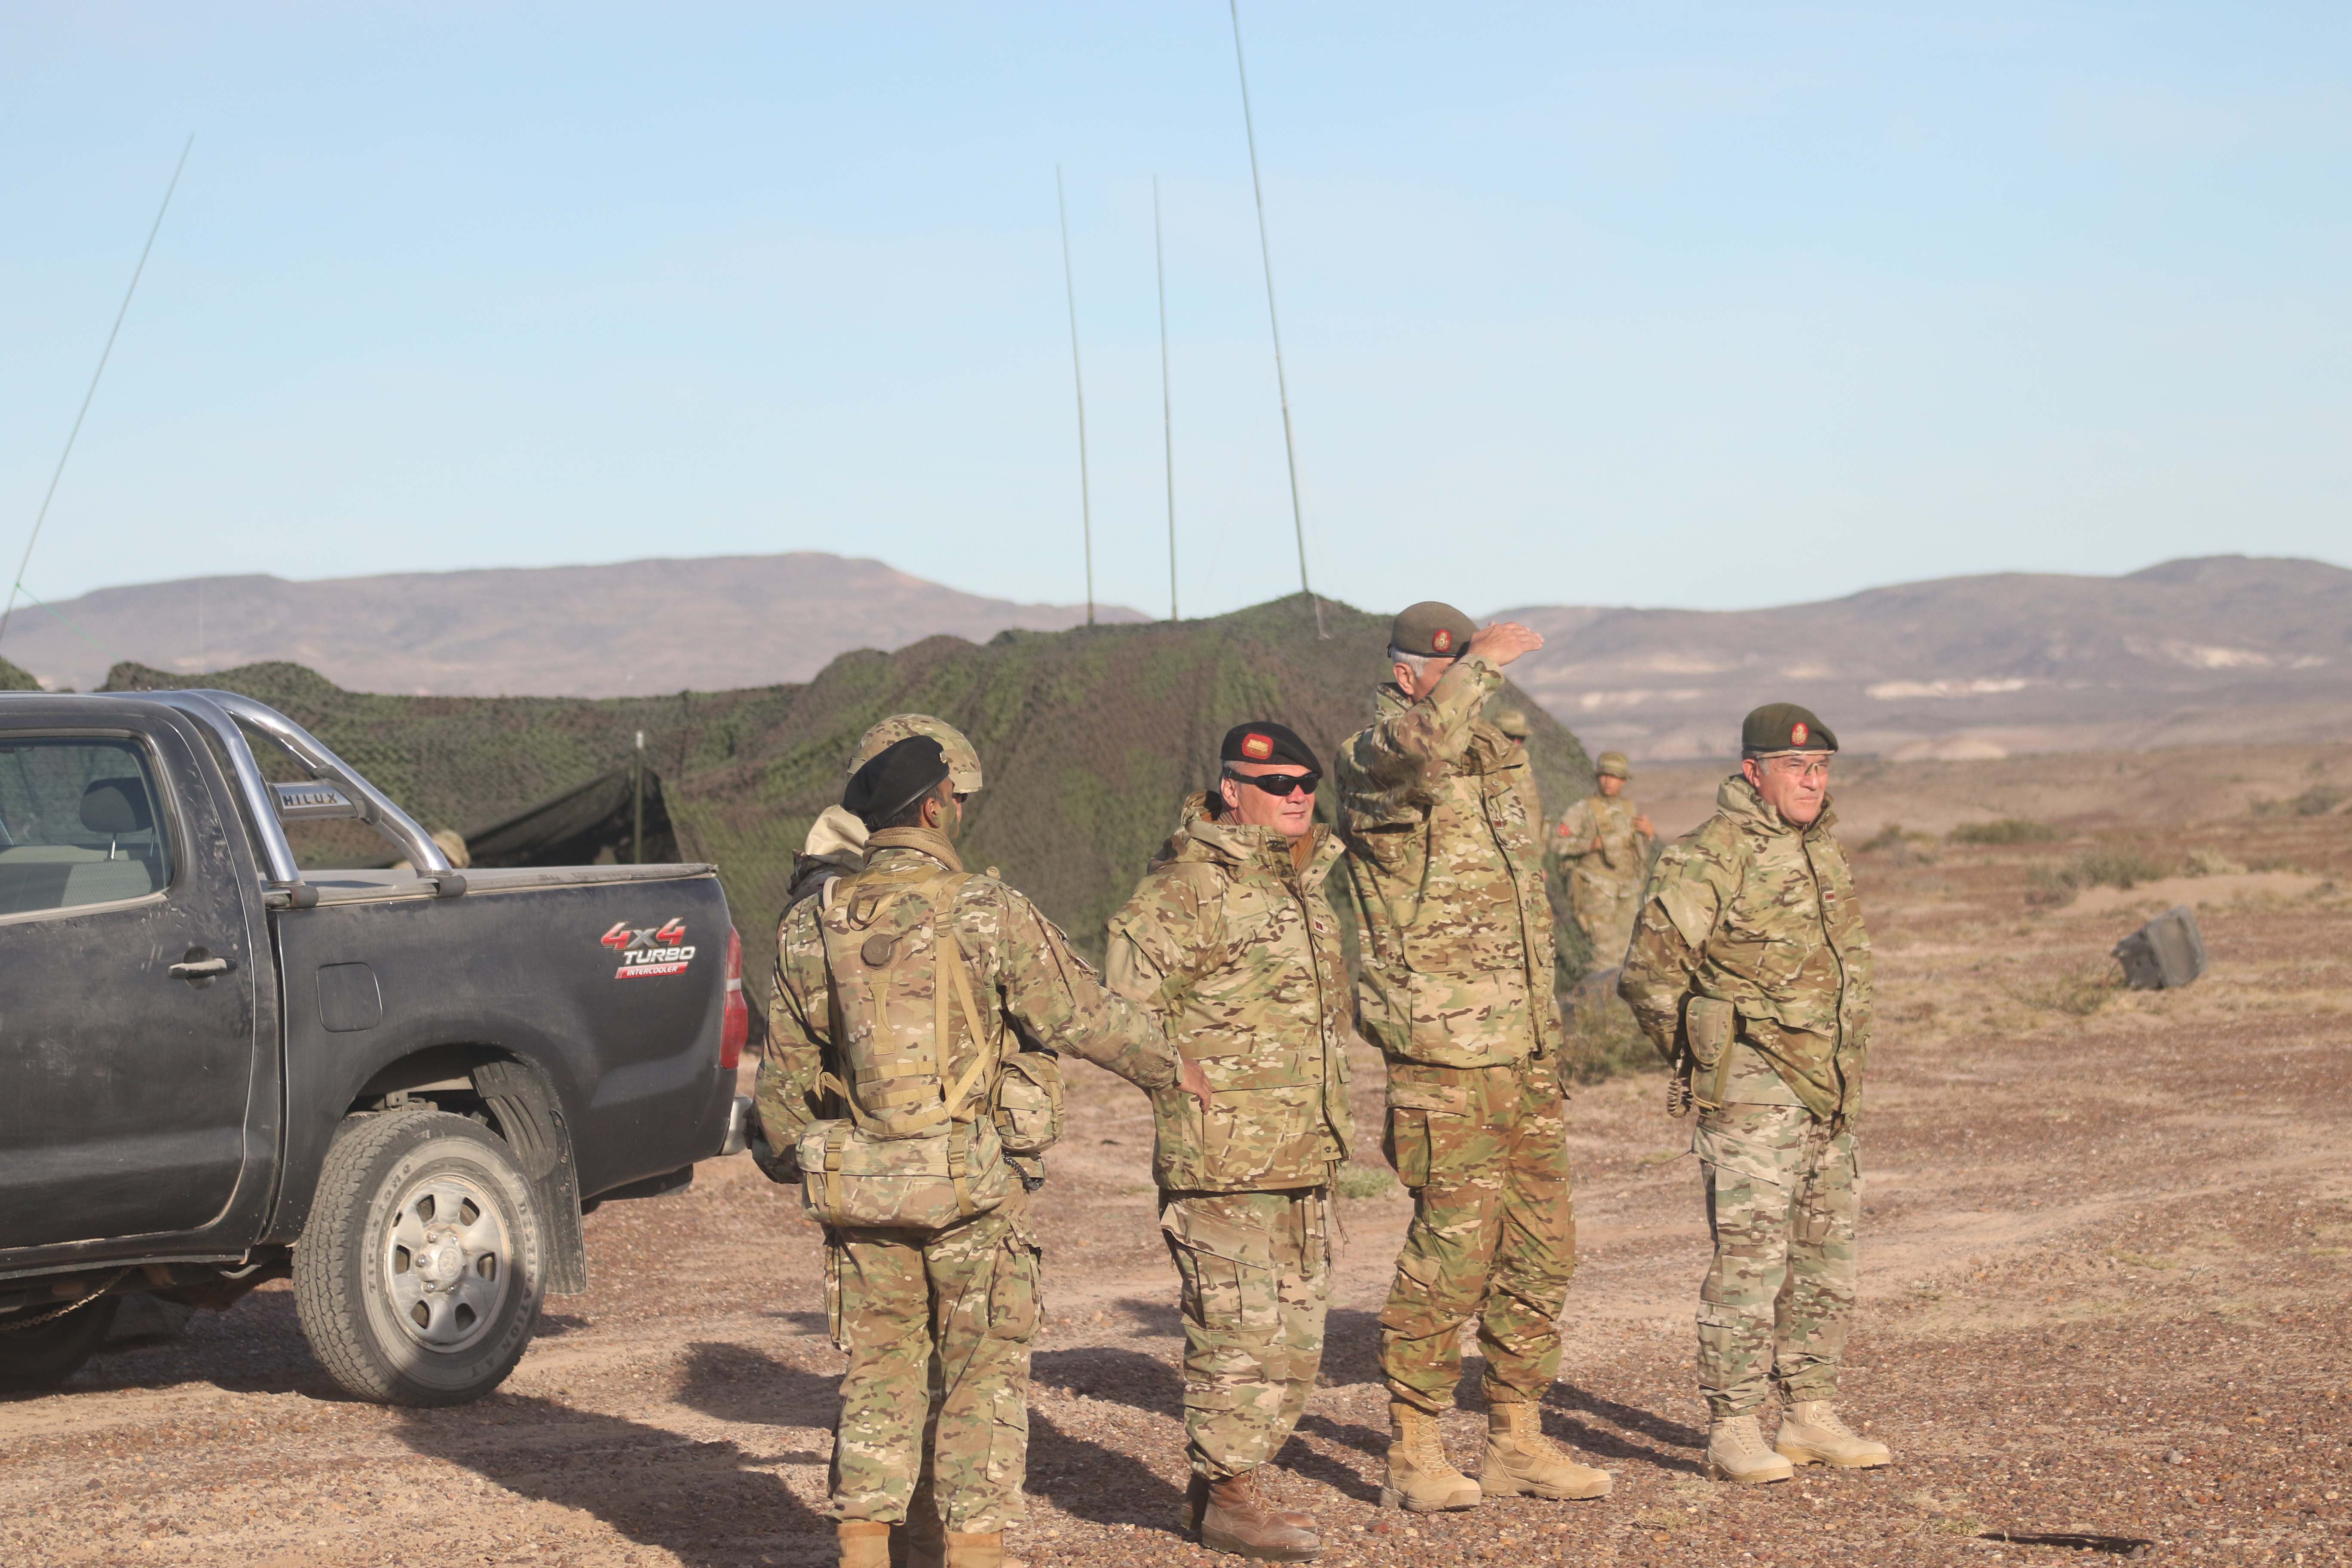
point(1750, 971)
point(1230, 940)
point(910, 1086)
point(1442, 820)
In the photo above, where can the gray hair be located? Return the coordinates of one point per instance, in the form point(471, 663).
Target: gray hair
point(1416, 662)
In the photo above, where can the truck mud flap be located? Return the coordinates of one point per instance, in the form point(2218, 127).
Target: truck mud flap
point(531, 1120)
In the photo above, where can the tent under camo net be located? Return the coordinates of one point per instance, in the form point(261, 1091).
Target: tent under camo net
point(1089, 739)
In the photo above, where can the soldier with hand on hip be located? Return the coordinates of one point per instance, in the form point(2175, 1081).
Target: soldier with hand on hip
point(1231, 943)
point(1605, 839)
point(911, 1076)
point(1749, 969)
point(1442, 820)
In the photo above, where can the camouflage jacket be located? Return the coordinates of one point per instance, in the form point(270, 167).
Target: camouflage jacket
point(1238, 952)
point(1749, 909)
point(1017, 960)
point(1619, 857)
point(1441, 817)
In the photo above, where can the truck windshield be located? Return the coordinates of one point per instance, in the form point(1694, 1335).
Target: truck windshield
point(80, 822)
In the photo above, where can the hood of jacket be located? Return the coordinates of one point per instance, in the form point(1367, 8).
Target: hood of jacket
point(1200, 837)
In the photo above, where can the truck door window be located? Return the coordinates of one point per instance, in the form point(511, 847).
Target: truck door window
point(81, 822)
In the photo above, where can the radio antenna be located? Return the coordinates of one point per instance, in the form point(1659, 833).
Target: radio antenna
point(1077, 378)
point(1281, 387)
point(1167, 409)
point(17, 584)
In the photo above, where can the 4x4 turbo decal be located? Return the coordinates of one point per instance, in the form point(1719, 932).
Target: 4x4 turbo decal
point(656, 949)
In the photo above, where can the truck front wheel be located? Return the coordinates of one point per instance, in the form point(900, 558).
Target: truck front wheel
point(418, 1276)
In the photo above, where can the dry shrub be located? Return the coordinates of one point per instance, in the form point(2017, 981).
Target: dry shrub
point(2078, 991)
point(2316, 801)
point(2213, 863)
point(1364, 1180)
point(2110, 866)
point(2004, 830)
point(1604, 1040)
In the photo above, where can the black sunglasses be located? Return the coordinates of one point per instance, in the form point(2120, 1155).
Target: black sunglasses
point(1279, 783)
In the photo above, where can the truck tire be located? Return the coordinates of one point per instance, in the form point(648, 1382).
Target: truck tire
point(47, 1354)
point(418, 1276)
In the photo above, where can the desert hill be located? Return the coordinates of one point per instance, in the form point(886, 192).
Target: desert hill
point(1090, 738)
point(636, 627)
point(14, 679)
point(2221, 649)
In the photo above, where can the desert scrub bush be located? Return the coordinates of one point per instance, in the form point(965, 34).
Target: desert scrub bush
point(2077, 992)
point(2004, 830)
point(2110, 866)
point(2316, 801)
point(1364, 1180)
point(2213, 863)
point(1604, 1040)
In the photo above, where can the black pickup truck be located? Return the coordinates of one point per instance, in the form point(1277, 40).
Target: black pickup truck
point(401, 1088)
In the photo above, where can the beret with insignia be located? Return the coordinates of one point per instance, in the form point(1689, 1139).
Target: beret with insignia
point(1785, 727)
point(1433, 630)
point(1261, 741)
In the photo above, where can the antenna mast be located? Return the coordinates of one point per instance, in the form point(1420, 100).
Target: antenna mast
point(1282, 386)
point(17, 584)
point(1167, 413)
point(1077, 378)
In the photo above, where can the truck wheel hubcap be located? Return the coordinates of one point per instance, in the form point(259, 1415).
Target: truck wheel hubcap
point(447, 1262)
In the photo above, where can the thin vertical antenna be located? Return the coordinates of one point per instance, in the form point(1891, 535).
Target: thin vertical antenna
point(1167, 409)
point(1078, 377)
point(16, 585)
point(1282, 386)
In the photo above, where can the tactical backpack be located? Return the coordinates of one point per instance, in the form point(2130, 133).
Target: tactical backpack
point(937, 1108)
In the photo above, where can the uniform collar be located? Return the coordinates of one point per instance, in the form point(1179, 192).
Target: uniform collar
point(928, 841)
point(1738, 800)
point(1200, 837)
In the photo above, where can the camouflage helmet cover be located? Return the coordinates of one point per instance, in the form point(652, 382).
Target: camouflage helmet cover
point(963, 762)
point(1613, 765)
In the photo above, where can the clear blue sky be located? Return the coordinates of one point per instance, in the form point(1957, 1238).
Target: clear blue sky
point(1671, 304)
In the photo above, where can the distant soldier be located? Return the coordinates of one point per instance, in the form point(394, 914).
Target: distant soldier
point(1230, 940)
point(916, 1008)
point(1605, 839)
point(1750, 971)
point(836, 840)
point(1442, 820)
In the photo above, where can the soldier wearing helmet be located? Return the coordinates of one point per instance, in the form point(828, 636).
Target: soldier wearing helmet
point(836, 841)
point(1605, 840)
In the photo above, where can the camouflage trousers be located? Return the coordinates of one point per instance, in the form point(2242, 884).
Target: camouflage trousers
point(938, 1329)
point(1780, 1203)
point(1255, 1270)
point(1485, 1151)
point(1605, 909)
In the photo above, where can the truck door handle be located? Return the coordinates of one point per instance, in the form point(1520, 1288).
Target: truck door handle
point(200, 968)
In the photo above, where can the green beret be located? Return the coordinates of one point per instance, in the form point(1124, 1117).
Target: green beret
point(1613, 765)
point(1432, 630)
point(1785, 727)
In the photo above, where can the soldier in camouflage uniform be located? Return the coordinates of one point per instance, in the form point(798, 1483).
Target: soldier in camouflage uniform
point(836, 840)
point(1442, 820)
point(1750, 971)
point(1605, 839)
point(964, 1298)
point(1231, 942)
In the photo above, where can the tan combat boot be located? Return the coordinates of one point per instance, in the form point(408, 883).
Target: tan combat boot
point(864, 1543)
point(980, 1550)
point(1813, 1433)
point(1522, 1462)
point(1240, 1517)
point(1735, 1452)
point(1420, 1478)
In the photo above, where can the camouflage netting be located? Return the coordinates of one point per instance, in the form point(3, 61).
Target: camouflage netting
point(1089, 739)
point(12, 679)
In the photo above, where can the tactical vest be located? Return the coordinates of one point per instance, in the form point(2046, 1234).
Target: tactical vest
point(941, 1100)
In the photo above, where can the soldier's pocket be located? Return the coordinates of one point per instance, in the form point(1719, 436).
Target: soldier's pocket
point(1739, 1156)
point(1423, 1117)
point(1228, 1270)
point(833, 1324)
point(1013, 1294)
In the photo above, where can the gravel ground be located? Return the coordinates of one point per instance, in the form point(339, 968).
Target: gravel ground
point(2104, 1277)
